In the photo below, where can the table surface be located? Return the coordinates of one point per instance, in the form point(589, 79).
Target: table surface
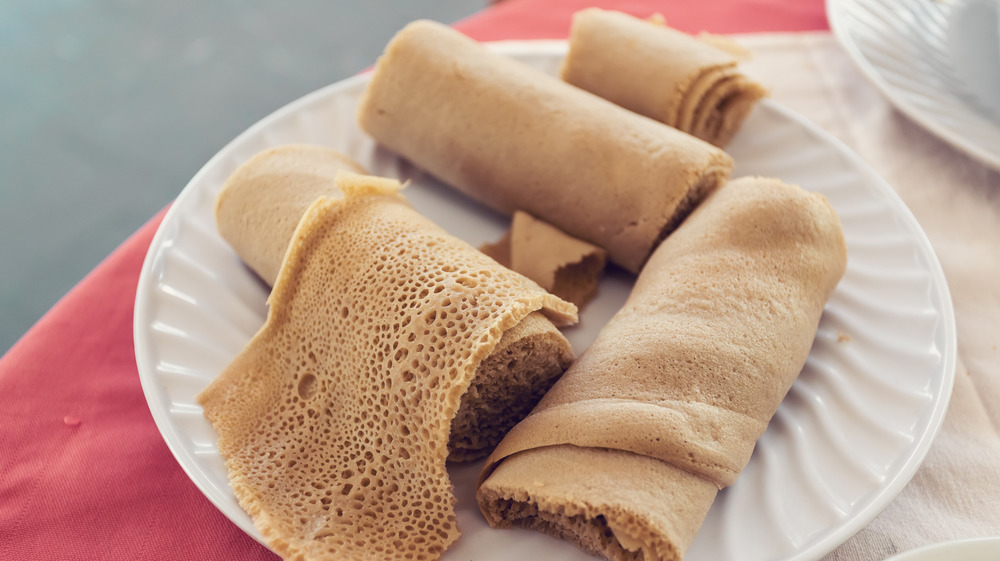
point(109, 108)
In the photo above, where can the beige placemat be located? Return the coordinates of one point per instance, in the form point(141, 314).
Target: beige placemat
point(956, 492)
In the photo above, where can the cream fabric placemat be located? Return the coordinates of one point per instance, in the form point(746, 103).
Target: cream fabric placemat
point(956, 492)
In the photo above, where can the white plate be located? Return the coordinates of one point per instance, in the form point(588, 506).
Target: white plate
point(978, 549)
point(849, 436)
point(937, 61)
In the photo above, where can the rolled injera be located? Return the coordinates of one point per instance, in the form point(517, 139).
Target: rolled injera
point(660, 72)
point(334, 420)
point(257, 211)
point(625, 454)
point(518, 139)
point(261, 203)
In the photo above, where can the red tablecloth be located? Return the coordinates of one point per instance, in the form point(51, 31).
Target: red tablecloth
point(84, 473)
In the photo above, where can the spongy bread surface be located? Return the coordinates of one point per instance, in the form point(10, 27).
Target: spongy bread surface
point(334, 420)
point(690, 371)
point(529, 358)
point(611, 503)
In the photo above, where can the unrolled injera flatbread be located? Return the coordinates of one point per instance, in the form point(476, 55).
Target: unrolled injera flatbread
point(334, 420)
point(565, 266)
point(257, 211)
point(624, 455)
point(518, 139)
point(660, 72)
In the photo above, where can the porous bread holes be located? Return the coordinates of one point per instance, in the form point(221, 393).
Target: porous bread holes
point(307, 386)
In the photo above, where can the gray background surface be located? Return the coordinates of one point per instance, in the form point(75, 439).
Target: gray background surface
point(108, 108)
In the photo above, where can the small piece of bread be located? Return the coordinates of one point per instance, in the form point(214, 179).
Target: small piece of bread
point(256, 212)
point(596, 498)
point(624, 455)
point(334, 421)
point(667, 75)
point(565, 266)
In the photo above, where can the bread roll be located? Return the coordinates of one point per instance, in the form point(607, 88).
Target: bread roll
point(262, 202)
point(661, 73)
point(257, 211)
point(517, 139)
point(334, 421)
point(624, 455)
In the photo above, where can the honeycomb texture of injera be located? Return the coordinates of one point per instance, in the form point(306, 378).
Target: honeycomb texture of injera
point(257, 212)
point(334, 420)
